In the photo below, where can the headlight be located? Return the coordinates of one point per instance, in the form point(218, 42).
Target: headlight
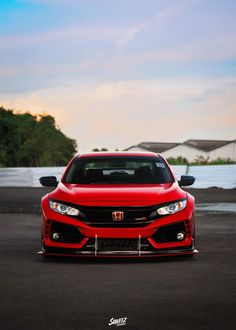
point(63, 209)
point(172, 208)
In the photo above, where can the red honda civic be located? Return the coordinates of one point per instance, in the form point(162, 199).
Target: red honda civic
point(118, 204)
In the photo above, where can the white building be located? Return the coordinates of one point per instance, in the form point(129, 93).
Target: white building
point(186, 151)
point(192, 150)
point(228, 150)
point(158, 147)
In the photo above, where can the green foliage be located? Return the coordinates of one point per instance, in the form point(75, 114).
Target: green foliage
point(27, 140)
point(99, 149)
point(178, 161)
point(200, 160)
point(221, 161)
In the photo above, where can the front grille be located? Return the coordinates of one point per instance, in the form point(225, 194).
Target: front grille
point(133, 216)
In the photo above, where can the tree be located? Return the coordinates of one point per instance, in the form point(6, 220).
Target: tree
point(28, 140)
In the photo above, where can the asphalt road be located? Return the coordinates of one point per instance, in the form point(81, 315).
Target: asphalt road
point(165, 293)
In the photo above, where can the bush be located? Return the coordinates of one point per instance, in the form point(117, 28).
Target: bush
point(200, 160)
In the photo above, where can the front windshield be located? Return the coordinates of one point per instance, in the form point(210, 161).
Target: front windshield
point(118, 170)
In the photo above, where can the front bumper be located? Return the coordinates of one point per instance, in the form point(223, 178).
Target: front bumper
point(94, 250)
point(160, 240)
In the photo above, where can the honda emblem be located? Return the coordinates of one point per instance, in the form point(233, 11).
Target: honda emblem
point(118, 215)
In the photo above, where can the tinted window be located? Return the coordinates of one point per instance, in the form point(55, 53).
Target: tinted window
point(118, 170)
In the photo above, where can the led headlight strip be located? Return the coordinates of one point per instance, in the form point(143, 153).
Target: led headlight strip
point(172, 208)
point(63, 208)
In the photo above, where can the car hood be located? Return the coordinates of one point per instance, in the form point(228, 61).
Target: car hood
point(118, 195)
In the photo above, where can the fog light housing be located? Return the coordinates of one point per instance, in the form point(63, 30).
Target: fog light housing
point(180, 235)
point(55, 236)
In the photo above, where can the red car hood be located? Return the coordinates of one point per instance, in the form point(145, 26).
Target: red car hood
point(117, 195)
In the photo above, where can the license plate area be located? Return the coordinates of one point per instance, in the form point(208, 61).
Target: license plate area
point(117, 245)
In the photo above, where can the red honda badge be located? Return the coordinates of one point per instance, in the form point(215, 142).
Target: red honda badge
point(118, 215)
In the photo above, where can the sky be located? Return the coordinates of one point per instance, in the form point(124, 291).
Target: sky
point(116, 73)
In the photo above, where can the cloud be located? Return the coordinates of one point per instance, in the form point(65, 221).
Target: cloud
point(128, 36)
point(161, 17)
point(119, 114)
point(165, 45)
point(75, 34)
point(186, 53)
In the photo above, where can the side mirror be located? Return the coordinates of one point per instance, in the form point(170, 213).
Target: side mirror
point(48, 181)
point(186, 180)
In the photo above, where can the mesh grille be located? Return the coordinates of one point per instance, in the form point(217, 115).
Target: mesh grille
point(133, 216)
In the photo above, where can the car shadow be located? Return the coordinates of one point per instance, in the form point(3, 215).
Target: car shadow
point(119, 260)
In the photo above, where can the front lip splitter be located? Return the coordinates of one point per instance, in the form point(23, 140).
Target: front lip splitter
point(95, 252)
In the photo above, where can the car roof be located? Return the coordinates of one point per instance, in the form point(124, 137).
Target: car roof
point(117, 154)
